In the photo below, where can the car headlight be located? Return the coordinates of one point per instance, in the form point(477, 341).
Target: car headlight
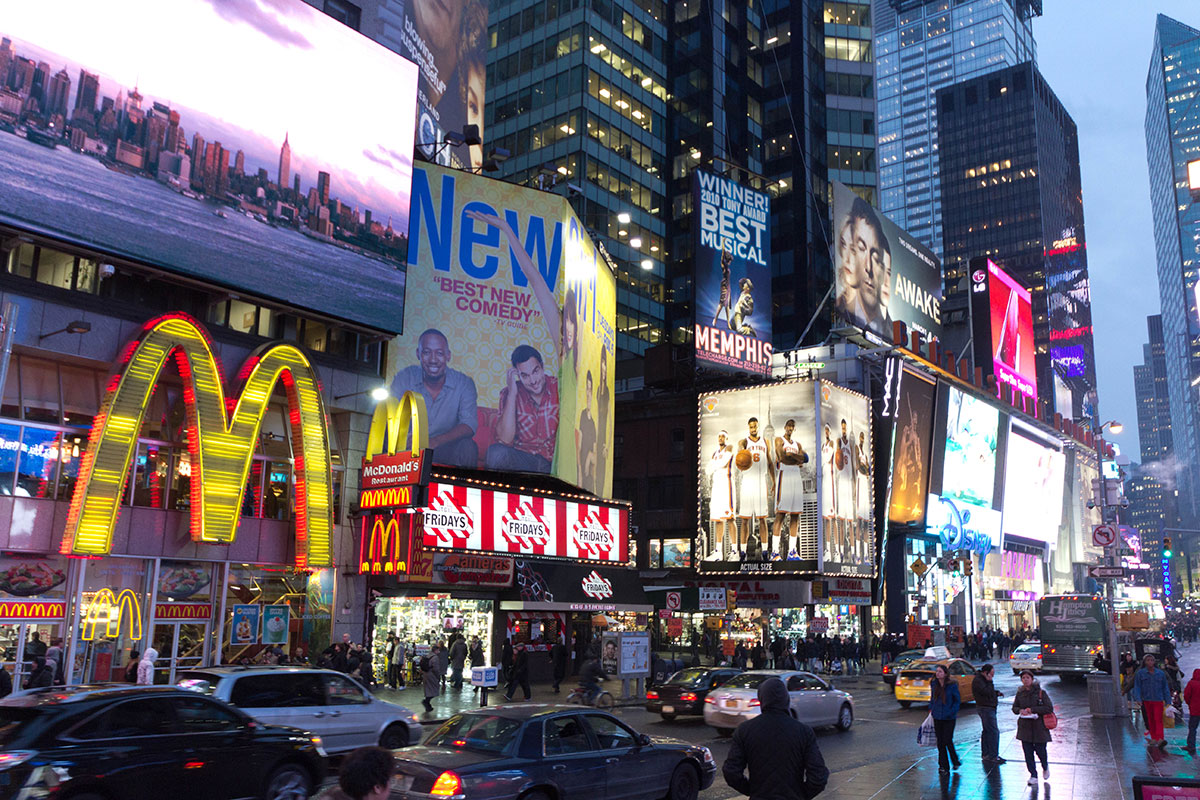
point(320, 745)
point(414, 719)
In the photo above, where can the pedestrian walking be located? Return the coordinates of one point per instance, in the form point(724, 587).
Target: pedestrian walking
point(478, 659)
point(506, 660)
point(145, 670)
point(1150, 688)
point(42, 674)
point(431, 678)
point(986, 700)
point(131, 667)
point(458, 657)
point(944, 702)
point(781, 753)
point(365, 774)
point(558, 657)
point(1191, 697)
point(520, 673)
point(1031, 705)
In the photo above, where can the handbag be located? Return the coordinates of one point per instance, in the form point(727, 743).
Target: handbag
point(1049, 720)
point(926, 735)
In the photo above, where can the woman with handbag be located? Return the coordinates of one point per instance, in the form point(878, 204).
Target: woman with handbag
point(944, 702)
point(1034, 723)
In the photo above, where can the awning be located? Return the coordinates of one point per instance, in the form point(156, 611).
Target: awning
point(556, 586)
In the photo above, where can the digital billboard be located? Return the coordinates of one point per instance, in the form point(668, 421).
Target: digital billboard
point(447, 40)
point(510, 330)
point(1069, 301)
point(881, 272)
point(1002, 315)
point(216, 143)
point(964, 526)
point(758, 479)
point(732, 245)
point(911, 450)
point(972, 436)
point(1034, 481)
point(847, 485)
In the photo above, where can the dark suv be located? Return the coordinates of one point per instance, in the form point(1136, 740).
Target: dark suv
point(684, 692)
point(110, 742)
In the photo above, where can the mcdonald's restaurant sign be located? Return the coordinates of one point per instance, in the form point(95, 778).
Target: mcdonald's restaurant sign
point(385, 543)
point(397, 463)
point(221, 436)
point(33, 609)
point(112, 610)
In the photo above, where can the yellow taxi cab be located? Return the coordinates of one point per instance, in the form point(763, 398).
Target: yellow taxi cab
point(912, 685)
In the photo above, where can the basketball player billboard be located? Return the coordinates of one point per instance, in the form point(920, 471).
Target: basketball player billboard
point(911, 449)
point(732, 247)
point(758, 480)
point(847, 491)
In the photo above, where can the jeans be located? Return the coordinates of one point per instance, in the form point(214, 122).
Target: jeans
point(944, 728)
point(1193, 723)
point(459, 453)
point(989, 743)
point(506, 457)
point(456, 676)
point(1031, 748)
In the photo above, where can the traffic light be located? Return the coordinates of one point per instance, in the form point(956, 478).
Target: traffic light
point(1167, 547)
point(968, 566)
point(952, 564)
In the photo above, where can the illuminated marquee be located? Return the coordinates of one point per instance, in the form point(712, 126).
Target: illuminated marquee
point(392, 479)
point(221, 436)
point(111, 609)
point(385, 549)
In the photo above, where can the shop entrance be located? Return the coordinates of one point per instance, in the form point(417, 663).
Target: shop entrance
point(181, 646)
point(18, 648)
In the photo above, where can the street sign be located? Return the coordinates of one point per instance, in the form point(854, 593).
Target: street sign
point(1106, 572)
point(674, 600)
point(665, 613)
point(1104, 535)
point(918, 567)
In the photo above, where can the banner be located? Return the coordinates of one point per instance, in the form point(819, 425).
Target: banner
point(911, 450)
point(244, 629)
point(510, 330)
point(881, 272)
point(275, 623)
point(847, 483)
point(1002, 324)
point(731, 227)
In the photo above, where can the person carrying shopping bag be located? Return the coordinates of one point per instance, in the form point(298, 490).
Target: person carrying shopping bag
point(1032, 705)
point(1151, 689)
point(944, 702)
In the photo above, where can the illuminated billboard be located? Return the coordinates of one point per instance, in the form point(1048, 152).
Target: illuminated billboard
point(758, 465)
point(509, 332)
point(972, 436)
point(964, 526)
point(447, 40)
point(731, 227)
point(911, 450)
point(881, 272)
point(1002, 321)
point(1069, 303)
point(217, 144)
point(847, 488)
point(1033, 488)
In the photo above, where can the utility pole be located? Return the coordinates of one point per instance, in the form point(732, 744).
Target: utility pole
point(1112, 558)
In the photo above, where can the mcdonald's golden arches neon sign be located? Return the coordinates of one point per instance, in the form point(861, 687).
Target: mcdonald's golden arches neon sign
point(221, 435)
point(383, 550)
point(112, 609)
point(393, 416)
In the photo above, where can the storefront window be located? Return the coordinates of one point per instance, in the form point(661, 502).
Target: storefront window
point(10, 445)
point(308, 597)
point(73, 445)
point(39, 581)
point(111, 622)
point(38, 463)
point(421, 622)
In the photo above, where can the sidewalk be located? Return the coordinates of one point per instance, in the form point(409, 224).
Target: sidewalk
point(451, 701)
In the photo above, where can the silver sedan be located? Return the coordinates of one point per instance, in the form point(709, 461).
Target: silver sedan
point(813, 701)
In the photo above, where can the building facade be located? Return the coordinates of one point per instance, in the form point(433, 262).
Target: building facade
point(1153, 398)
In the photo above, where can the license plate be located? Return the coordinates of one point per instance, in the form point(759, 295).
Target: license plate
point(919, 683)
point(402, 783)
point(731, 703)
point(668, 709)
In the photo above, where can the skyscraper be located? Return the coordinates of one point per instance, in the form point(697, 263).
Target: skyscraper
point(922, 46)
point(1153, 400)
point(285, 164)
point(198, 148)
point(59, 92)
point(1172, 148)
point(323, 188)
point(87, 94)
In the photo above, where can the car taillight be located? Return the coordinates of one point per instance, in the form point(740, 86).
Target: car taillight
point(755, 702)
point(447, 784)
point(651, 695)
point(12, 758)
point(688, 697)
point(710, 701)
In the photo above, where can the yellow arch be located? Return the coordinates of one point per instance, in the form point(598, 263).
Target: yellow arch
point(221, 439)
point(393, 416)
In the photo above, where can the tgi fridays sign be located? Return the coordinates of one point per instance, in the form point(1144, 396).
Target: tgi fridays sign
point(488, 520)
point(597, 586)
point(843, 591)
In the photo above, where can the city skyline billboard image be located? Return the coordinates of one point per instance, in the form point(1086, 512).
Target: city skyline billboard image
point(1003, 326)
point(509, 330)
point(972, 438)
point(1035, 475)
point(731, 230)
point(447, 40)
point(255, 179)
point(758, 504)
point(881, 272)
point(911, 450)
point(847, 487)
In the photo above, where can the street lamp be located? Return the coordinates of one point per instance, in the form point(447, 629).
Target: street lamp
point(1111, 558)
point(378, 394)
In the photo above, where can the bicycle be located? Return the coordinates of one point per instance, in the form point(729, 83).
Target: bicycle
point(579, 697)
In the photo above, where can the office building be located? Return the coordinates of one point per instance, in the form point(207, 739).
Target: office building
point(285, 163)
point(1172, 91)
point(921, 46)
point(1153, 400)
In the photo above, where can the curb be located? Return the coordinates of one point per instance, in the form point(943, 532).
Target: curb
point(630, 703)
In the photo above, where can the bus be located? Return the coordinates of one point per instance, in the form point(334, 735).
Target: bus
point(1073, 632)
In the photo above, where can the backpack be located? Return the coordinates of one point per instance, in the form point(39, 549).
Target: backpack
point(423, 664)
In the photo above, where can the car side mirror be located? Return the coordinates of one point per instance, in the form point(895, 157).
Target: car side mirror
point(643, 740)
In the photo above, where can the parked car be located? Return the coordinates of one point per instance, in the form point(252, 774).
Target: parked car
point(332, 705)
point(135, 742)
point(813, 701)
point(684, 692)
point(913, 683)
point(537, 752)
point(1027, 656)
point(902, 659)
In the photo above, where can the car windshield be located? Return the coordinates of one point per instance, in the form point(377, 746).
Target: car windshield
point(905, 658)
point(484, 732)
point(747, 680)
point(1029, 648)
point(11, 720)
point(689, 677)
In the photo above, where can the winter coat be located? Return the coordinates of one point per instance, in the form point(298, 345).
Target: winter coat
point(458, 653)
point(520, 669)
point(985, 692)
point(145, 673)
point(6, 686)
point(1151, 686)
point(1191, 695)
point(431, 678)
point(781, 753)
point(947, 707)
point(42, 675)
point(54, 658)
point(1037, 701)
point(477, 657)
point(558, 657)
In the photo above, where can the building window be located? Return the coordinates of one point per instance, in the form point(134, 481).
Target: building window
point(678, 440)
point(344, 12)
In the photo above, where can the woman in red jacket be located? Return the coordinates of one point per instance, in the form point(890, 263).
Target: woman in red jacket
point(1191, 696)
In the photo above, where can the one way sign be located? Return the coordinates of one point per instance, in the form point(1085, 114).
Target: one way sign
point(1106, 572)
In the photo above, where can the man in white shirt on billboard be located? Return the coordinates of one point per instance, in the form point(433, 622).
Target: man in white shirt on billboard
point(754, 459)
point(789, 491)
point(720, 501)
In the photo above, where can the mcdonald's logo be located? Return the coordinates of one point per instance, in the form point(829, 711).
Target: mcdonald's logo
point(390, 418)
point(111, 610)
point(390, 479)
point(38, 609)
point(384, 551)
point(393, 497)
point(221, 436)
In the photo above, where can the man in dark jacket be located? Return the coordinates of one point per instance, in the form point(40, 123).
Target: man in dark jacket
point(458, 657)
point(520, 673)
point(781, 753)
point(986, 698)
point(558, 657)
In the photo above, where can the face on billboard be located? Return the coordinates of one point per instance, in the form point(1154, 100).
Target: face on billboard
point(972, 428)
point(882, 273)
point(758, 480)
point(910, 450)
point(733, 274)
point(1012, 332)
point(511, 331)
point(447, 41)
point(847, 496)
point(1033, 489)
point(254, 179)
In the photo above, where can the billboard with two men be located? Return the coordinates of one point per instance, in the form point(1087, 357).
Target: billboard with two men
point(508, 330)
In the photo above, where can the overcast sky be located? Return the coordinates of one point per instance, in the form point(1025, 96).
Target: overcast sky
point(1095, 55)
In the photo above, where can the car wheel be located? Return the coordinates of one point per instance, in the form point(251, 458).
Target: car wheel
point(668, 717)
point(288, 782)
point(905, 703)
point(685, 783)
point(535, 795)
point(394, 737)
point(845, 718)
point(725, 733)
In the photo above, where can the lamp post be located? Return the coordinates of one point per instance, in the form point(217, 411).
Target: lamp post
point(1111, 558)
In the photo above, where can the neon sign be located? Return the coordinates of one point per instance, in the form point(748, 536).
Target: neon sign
point(385, 550)
point(111, 609)
point(221, 436)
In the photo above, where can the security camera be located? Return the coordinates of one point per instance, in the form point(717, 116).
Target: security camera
point(1091, 504)
point(1124, 502)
